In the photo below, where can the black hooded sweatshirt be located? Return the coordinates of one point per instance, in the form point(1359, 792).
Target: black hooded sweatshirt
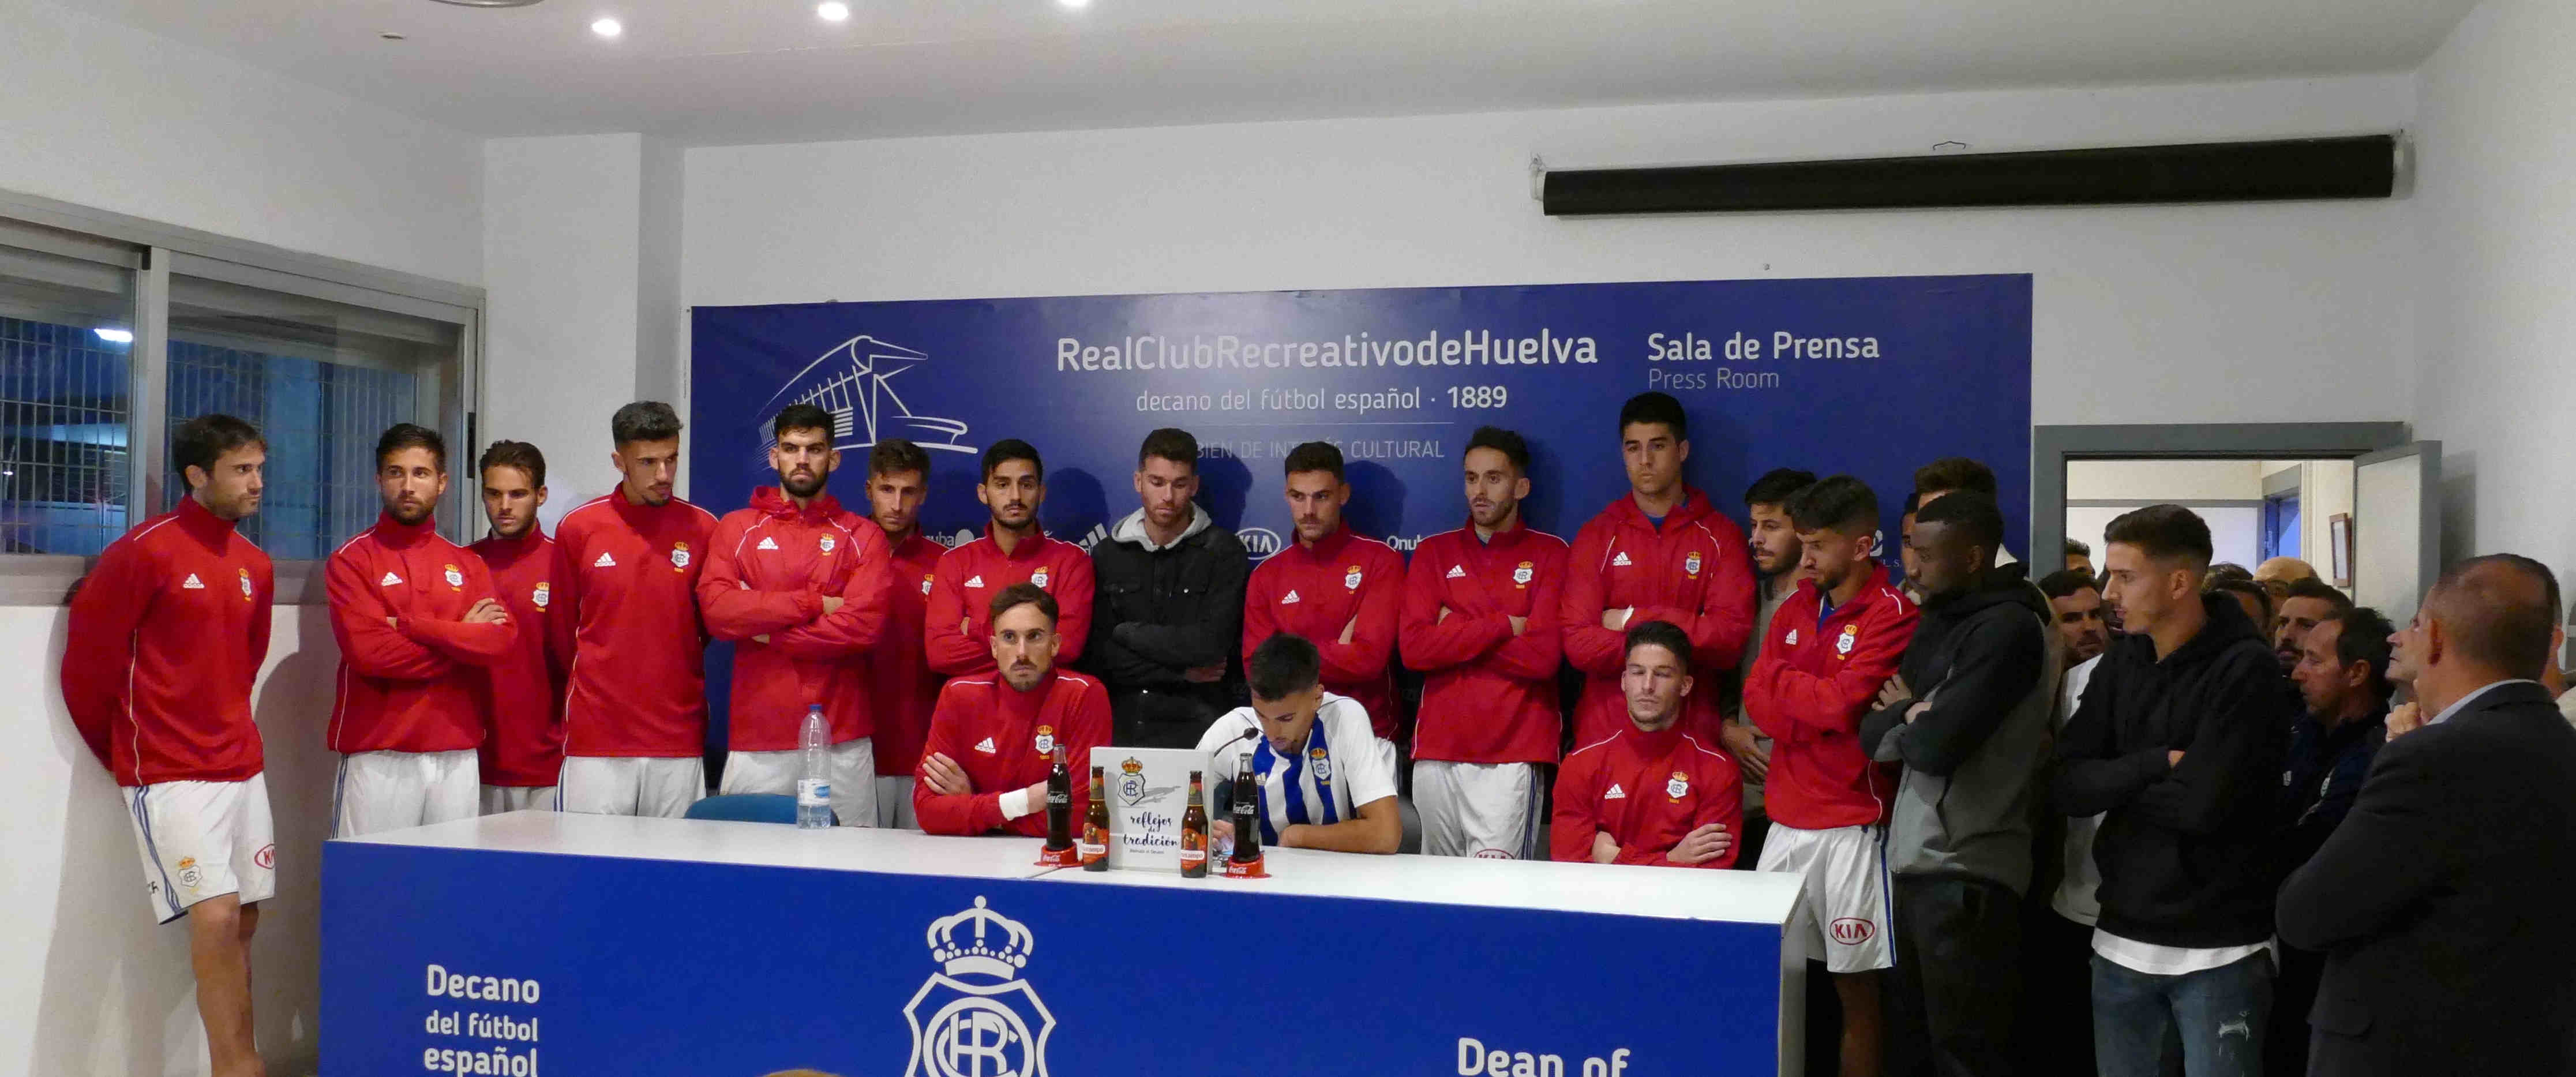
point(2185, 849)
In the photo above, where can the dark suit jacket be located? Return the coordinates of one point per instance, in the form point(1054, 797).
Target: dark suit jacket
point(2446, 902)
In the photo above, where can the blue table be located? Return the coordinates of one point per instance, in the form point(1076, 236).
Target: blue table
point(582, 945)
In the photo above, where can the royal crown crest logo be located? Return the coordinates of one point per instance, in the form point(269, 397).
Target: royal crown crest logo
point(1039, 578)
point(1678, 787)
point(976, 1017)
point(1690, 565)
point(680, 556)
point(455, 577)
point(1843, 644)
point(245, 581)
point(1351, 578)
point(1046, 740)
point(1521, 576)
point(1321, 763)
point(542, 595)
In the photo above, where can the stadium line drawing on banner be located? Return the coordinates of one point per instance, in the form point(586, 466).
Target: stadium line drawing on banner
point(854, 382)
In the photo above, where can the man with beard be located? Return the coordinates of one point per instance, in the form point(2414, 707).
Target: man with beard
point(902, 690)
point(523, 692)
point(1014, 549)
point(2075, 607)
point(1660, 552)
point(415, 616)
point(799, 584)
point(1479, 622)
point(1967, 717)
point(1777, 557)
point(1169, 604)
point(2304, 604)
point(1650, 793)
point(1325, 780)
point(1332, 586)
point(635, 715)
point(993, 738)
point(2057, 940)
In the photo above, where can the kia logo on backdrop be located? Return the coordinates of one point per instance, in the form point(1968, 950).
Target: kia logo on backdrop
point(1259, 543)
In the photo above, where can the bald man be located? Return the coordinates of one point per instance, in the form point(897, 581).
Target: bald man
point(2447, 949)
point(2277, 574)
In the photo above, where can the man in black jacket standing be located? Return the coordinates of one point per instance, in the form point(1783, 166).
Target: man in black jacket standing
point(1968, 716)
point(2441, 900)
point(1167, 605)
point(2342, 674)
point(2179, 742)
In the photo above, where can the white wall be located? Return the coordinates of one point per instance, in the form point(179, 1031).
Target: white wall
point(2143, 314)
point(88, 985)
point(2496, 227)
point(2164, 480)
point(112, 118)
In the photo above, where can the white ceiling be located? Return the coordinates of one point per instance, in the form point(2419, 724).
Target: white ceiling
point(752, 71)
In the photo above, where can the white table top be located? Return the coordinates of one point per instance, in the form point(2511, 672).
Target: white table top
point(1745, 897)
point(900, 852)
point(1672, 893)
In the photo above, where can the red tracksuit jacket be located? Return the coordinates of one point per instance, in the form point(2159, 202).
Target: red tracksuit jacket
point(1809, 690)
point(1648, 791)
point(638, 680)
point(523, 692)
point(1694, 572)
point(1314, 592)
point(167, 634)
point(901, 688)
point(771, 566)
point(1005, 739)
point(413, 685)
point(969, 576)
point(1488, 696)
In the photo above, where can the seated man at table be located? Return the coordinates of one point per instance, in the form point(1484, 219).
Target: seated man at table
point(1649, 793)
point(1327, 781)
point(993, 737)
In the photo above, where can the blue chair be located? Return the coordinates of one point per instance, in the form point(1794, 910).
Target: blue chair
point(749, 808)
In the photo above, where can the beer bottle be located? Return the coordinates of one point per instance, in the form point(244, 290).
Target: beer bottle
point(1059, 804)
point(1095, 826)
point(1247, 814)
point(1194, 833)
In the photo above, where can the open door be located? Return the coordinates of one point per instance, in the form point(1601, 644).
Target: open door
point(2396, 527)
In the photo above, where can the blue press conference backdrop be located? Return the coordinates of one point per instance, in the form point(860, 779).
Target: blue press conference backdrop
point(1872, 376)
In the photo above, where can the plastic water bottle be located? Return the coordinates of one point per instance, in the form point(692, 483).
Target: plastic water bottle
point(813, 780)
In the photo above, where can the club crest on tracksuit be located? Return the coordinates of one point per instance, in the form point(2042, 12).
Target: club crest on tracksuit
point(925, 583)
point(679, 556)
point(1690, 565)
point(455, 577)
point(1843, 644)
point(1678, 787)
point(245, 583)
point(827, 544)
point(1046, 740)
point(1351, 578)
point(1521, 576)
point(541, 595)
point(1039, 578)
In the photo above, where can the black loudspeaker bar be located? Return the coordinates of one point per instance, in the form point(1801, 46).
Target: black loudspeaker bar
point(2305, 168)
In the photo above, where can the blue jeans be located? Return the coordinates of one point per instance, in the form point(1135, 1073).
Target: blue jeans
point(2218, 1013)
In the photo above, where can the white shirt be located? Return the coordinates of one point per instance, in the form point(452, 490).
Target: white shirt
point(1356, 766)
point(2075, 898)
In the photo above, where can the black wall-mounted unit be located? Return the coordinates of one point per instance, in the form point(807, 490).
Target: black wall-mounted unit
point(2306, 168)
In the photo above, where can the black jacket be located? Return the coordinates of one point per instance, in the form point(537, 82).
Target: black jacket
point(2185, 851)
point(1984, 660)
point(2442, 901)
point(2320, 778)
point(1156, 614)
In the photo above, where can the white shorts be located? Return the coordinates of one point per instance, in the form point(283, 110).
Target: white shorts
point(1842, 918)
point(894, 802)
point(503, 799)
point(631, 785)
point(203, 840)
point(380, 791)
point(1488, 810)
point(851, 767)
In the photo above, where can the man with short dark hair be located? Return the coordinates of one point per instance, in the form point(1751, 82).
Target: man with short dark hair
point(1651, 793)
point(956, 633)
point(523, 690)
point(993, 738)
point(2343, 679)
point(1967, 718)
point(2079, 557)
point(166, 637)
point(2178, 743)
point(416, 618)
point(2056, 1030)
point(799, 585)
point(2075, 608)
point(1660, 552)
point(1829, 652)
point(1169, 609)
point(902, 689)
point(635, 714)
point(1776, 556)
point(2437, 900)
point(2250, 597)
point(1479, 622)
point(1958, 473)
point(1332, 586)
point(2303, 605)
point(1326, 780)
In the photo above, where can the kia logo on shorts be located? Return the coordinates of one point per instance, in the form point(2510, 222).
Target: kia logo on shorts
point(1258, 542)
point(1852, 930)
point(266, 857)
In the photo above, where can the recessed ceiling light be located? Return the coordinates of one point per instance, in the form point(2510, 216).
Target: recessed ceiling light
point(833, 11)
point(607, 28)
point(1075, 3)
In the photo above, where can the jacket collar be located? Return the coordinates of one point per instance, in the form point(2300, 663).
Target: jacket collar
point(1651, 745)
point(202, 523)
point(1327, 548)
point(1132, 529)
point(528, 540)
point(393, 532)
point(1692, 506)
point(774, 501)
point(1027, 548)
point(1504, 539)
